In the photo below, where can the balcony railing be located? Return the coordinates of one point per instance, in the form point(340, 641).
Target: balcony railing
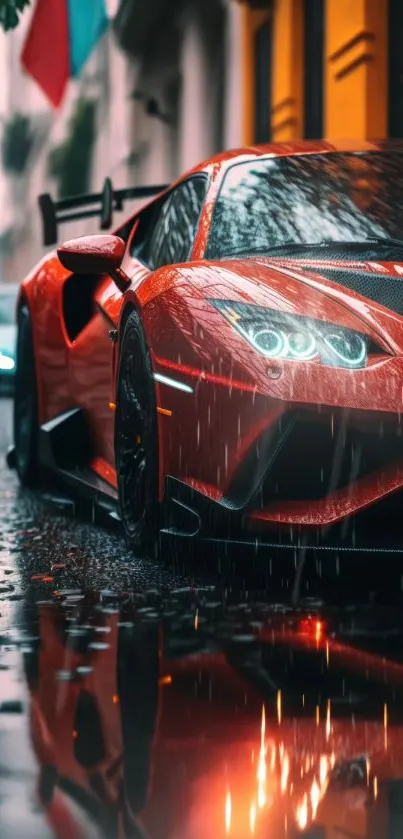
point(136, 20)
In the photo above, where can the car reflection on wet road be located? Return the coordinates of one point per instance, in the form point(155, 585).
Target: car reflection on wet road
point(151, 705)
point(191, 716)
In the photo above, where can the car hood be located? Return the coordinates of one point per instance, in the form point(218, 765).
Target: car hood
point(8, 339)
point(340, 291)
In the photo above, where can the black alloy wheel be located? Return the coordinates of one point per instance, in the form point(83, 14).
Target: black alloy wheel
point(136, 441)
point(25, 402)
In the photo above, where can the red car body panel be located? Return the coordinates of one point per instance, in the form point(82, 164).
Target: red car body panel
point(236, 394)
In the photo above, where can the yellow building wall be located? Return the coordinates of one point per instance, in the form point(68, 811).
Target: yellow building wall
point(251, 21)
point(356, 69)
point(355, 79)
point(287, 71)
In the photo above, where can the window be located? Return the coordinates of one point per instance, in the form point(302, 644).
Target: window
point(307, 199)
point(395, 57)
point(262, 48)
point(166, 230)
point(314, 22)
point(159, 229)
point(146, 223)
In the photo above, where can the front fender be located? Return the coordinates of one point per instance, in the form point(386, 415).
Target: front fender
point(41, 291)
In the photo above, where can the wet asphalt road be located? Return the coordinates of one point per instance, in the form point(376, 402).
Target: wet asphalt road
point(36, 542)
point(45, 546)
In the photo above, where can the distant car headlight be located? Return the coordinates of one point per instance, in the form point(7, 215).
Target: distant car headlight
point(280, 335)
point(6, 361)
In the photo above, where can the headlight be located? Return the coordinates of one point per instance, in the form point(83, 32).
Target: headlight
point(279, 335)
point(6, 362)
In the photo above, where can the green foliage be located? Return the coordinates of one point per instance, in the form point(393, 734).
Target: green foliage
point(16, 144)
point(70, 163)
point(10, 11)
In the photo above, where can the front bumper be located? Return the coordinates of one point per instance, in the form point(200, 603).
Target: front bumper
point(315, 478)
point(291, 563)
point(328, 466)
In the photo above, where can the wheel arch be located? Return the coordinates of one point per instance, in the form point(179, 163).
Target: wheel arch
point(147, 386)
point(129, 306)
point(40, 291)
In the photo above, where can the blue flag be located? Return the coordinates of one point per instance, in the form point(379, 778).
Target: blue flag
point(88, 21)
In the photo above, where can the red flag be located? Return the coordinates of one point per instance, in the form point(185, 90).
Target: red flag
point(46, 50)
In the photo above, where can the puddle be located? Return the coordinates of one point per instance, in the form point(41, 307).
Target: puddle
point(189, 715)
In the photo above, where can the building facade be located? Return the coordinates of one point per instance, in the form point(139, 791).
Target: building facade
point(275, 70)
point(173, 82)
point(322, 68)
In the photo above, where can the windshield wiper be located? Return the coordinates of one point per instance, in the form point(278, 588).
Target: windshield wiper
point(303, 246)
point(378, 242)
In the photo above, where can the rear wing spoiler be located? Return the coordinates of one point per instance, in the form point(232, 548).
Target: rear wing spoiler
point(102, 204)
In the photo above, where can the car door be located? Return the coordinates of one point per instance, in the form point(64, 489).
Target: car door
point(155, 239)
point(91, 373)
point(90, 369)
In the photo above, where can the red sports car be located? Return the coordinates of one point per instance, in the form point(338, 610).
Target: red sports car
point(228, 364)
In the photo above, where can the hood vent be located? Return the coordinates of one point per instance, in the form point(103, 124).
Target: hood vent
point(381, 288)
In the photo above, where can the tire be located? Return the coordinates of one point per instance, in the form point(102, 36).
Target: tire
point(136, 441)
point(26, 403)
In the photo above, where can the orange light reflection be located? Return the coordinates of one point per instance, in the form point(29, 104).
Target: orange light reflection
point(252, 817)
point(315, 798)
point(302, 813)
point(279, 706)
point(228, 812)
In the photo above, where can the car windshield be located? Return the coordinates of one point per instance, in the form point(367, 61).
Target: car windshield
point(315, 199)
point(7, 307)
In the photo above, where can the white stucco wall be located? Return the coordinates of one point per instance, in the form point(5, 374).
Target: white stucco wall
point(5, 216)
point(208, 119)
point(182, 73)
point(104, 80)
point(195, 118)
point(233, 103)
